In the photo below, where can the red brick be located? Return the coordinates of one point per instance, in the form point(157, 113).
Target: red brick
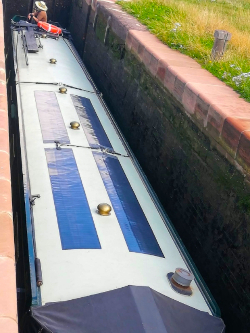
point(217, 113)
point(2, 74)
point(169, 80)
point(208, 92)
point(7, 288)
point(204, 79)
point(8, 325)
point(5, 196)
point(140, 51)
point(134, 45)
point(231, 132)
point(2, 44)
point(4, 165)
point(189, 99)
point(215, 120)
point(3, 120)
point(3, 90)
point(179, 86)
point(197, 72)
point(153, 65)
point(6, 236)
point(3, 102)
point(163, 52)
point(128, 41)
point(226, 100)
point(234, 105)
point(146, 57)
point(243, 152)
point(212, 93)
point(182, 63)
point(2, 63)
point(201, 110)
point(161, 70)
point(148, 40)
point(154, 49)
point(4, 140)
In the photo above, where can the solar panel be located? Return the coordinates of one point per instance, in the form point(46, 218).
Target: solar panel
point(90, 122)
point(75, 222)
point(50, 116)
point(133, 222)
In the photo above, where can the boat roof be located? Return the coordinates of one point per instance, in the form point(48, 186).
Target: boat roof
point(81, 252)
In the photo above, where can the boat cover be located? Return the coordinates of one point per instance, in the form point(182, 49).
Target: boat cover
point(129, 309)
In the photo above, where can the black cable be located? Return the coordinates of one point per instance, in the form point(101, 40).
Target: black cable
point(102, 149)
point(65, 85)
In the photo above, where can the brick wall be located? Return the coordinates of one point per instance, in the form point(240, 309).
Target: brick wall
point(8, 308)
point(190, 134)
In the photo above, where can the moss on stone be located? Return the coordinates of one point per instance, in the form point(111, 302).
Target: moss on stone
point(100, 27)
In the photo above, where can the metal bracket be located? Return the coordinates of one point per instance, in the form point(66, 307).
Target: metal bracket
point(33, 198)
point(58, 145)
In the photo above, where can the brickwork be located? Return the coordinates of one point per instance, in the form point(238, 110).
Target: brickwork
point(190, 133)
point(8, 307)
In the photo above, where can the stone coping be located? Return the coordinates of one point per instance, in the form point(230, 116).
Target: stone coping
point(8, 301)
point(217, 109)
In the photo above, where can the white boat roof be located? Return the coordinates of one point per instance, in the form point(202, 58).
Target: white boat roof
point(107, 252)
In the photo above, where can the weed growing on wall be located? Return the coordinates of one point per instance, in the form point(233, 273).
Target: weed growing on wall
point(189, 25)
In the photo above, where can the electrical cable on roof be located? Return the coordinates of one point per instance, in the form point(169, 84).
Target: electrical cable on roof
point(62, 84)
point(100, 148)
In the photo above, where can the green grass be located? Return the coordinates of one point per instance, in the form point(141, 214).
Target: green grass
point(189, 25)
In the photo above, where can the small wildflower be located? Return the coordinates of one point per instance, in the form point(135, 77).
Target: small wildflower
point(240, 78)
point(224, 75)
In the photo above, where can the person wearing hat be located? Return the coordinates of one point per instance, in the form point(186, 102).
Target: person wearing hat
point(39, 13)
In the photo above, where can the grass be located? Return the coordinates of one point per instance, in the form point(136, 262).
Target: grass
point(189, 25)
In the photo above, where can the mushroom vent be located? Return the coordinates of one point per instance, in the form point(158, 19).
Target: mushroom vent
point(104, 209)
point(183, 277)
point(180, 281)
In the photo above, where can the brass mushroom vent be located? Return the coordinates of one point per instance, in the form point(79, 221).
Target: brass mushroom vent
point(74, 125)
point(53, 61)
point(63, 90)
point(104, 209)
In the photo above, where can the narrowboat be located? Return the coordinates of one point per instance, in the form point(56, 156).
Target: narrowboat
point(103, 255)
